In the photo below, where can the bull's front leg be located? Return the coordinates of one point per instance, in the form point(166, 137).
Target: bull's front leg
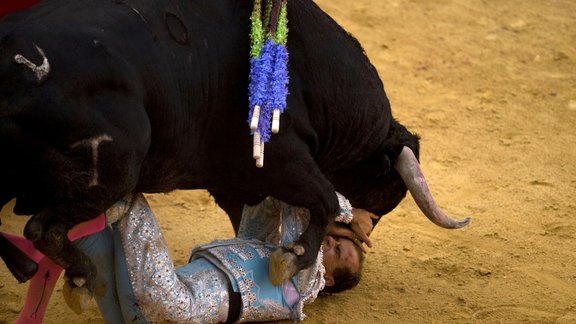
point(303, 185)
point(286, 261)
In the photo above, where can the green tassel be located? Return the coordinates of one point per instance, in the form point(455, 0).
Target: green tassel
point(268, 12)
point(257, 31)
point(281, 35)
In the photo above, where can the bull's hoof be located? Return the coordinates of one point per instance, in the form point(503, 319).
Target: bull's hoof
point(282, 266)
point(77, 298)
point(296, 248)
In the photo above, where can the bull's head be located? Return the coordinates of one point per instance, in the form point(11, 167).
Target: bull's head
point(381, 182)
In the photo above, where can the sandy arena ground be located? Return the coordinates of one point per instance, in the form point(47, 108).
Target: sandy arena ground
point(491, 88)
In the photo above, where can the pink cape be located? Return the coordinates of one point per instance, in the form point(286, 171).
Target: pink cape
point(41, 286)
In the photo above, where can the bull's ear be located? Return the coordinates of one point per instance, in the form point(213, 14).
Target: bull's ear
point(381, 163)
point(385, 163)
point(388, 156)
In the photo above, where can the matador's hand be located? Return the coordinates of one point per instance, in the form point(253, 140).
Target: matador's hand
point(360, 228)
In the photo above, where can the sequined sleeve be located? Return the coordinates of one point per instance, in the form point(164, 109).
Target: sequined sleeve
point(196, 293)
point(261, 221)
point(294, 222)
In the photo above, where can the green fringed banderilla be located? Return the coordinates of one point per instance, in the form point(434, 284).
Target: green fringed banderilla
point(268, 87)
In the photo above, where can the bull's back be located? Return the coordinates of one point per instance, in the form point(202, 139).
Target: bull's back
point(196, 90)
point(186, 64)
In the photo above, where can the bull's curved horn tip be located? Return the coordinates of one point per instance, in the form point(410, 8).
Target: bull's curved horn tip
point(461, 223)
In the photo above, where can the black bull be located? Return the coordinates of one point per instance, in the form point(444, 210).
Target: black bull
point(102, 98)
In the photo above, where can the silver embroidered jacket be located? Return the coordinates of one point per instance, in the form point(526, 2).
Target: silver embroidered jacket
point(197, 292)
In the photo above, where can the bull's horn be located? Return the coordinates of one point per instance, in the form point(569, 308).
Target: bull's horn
point(409, 169)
